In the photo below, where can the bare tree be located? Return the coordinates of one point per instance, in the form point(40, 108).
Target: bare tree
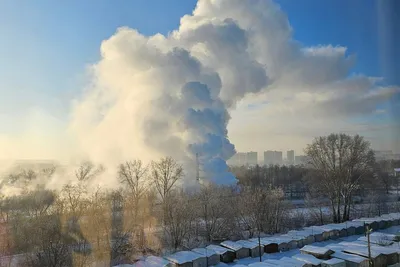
point(87, 171)
point(134, 175)
point(178, 217)
point(210, 208)
point(74, 198)
point(166, 173)
point(340, 162)
point(50, 247)
point(316, 209)
point(97, 225)
point(261, 209)
point(383, 171)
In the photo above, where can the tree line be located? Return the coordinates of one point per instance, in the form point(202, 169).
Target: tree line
point(149, 213)
point(339, 168)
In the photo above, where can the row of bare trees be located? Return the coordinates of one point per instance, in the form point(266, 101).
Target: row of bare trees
point(149, 213)
point(340, 168)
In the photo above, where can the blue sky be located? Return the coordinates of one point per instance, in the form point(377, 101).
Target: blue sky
point(46, 45)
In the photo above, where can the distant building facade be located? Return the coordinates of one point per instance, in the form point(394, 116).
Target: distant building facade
point(273, 157)
point(268, 157)
point(290, 157)
point(251, 158)
point(239, 159)
point(244, 159)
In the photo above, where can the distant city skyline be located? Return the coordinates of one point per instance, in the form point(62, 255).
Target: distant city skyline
point(276, 157)
point(268, 157)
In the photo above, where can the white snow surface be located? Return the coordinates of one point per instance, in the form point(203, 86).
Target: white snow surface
point(315, 249)
point(156, 261)
point(232, 245)
point(205, 251)
point(218, 249)
point(183, 257)
point(247, 244)
point(349, 257)
point(333, 261)
point(307, 258)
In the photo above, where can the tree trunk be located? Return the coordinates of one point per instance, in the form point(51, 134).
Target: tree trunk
point(338, 210)
point(333, 211)
point(321, 216)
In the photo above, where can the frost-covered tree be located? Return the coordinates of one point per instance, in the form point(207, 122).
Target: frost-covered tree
point(340, 164)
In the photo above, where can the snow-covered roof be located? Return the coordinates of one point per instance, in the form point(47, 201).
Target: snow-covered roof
point(354, 224)
point(384, 250)
point(183, 257)
point(232, 245)
point(336, 247)
point(333, 261)
point(314, 230)
point(264, 241)
point(247, 244)
point(379, 238)
point(292, 262)
point(349, 257)
point(307, 258)
point(327, 228)
point(282, 239)
point(368, 220)
point(353, 243)
point(157, 261)
point(335, 226)
point(205, 251)
point(258, 264)
point(294, 237)
point(218, 249)
point(302, 233)
point(362, 251)
point(283, 263)
point(315, 250)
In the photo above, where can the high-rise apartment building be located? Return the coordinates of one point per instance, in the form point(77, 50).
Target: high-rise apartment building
point(268, 157)
point(243, 159)
point(278, 157)
point(272, 157)
point(290, 157)
point(251, 158)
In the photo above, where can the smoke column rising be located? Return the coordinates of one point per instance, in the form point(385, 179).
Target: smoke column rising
point(155, 96)
point(171, 95)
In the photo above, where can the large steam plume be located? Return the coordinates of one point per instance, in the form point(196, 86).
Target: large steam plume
point(171, 95)
point(153, 96)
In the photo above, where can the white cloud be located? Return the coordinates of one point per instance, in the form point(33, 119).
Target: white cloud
point(228, 54)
